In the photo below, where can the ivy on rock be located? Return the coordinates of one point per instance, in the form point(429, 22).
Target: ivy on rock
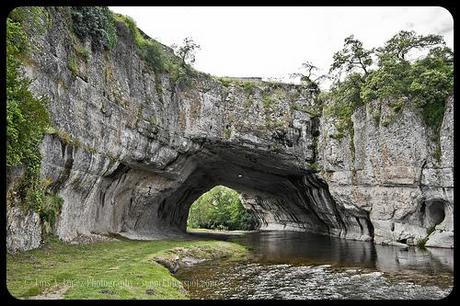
point(26, 118)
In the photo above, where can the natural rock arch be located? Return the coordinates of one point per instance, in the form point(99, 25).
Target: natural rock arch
point(132, 148)
point(282, 197)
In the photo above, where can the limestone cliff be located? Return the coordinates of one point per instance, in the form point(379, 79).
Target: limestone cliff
point(131, 149)
point(391, 172)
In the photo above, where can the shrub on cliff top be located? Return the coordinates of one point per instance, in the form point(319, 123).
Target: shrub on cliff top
point(157, 56)
point(95, 22)
point(151, 50)
point(426, 82)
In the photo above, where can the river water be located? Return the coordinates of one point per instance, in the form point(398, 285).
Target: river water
point(297, 265)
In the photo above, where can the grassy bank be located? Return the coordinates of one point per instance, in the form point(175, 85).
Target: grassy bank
point(107, 270)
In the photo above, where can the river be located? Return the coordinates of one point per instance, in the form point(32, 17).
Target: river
point(297, 265)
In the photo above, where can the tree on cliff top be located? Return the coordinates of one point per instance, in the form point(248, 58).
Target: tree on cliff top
point(352, 56)
point(400, 44)
point(425, 82)
point(186, 51)
point(309, 78)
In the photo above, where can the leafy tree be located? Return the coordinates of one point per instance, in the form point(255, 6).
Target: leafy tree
point(346, 97)
point(310, 78)
point(400, 44)
point(431, 83)
point(391, 80)
point(187, 51)
point(426, 82)
point(443, 53)
point(220, 208)
point(352, 56)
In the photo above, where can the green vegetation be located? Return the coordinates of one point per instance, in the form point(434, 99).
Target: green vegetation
point(27, 115)
point(248, 103)
point(186, 51)
point(72, 65)
point(352, 56)
point(158, 57)
point(422, 242)
point(64, 136)
point(68, 139)
point(345, 98)
point(79, 54)
point(96, 23)
point(227, 133)
point(272, 124)
point(27, 119)
point(82, 52)
point(268, 101)
point(309, 79)
point(220, 208)
point(50, 209)
point(310, 82)
point(315, 166)
point(99, 24)
point(248, 87)
point(437, 151)
point(425, 82)
point(126, 270)
point(430, 230)
point(225, 81)
point(200, 251)
point(33, 19)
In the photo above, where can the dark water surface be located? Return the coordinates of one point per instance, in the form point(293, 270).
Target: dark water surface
point(296, 265)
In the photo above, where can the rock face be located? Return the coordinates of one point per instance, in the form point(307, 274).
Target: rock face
point(133, 149)
point(390, 171)
point(23, 230)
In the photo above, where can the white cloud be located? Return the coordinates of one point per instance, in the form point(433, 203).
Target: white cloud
point(274, 41)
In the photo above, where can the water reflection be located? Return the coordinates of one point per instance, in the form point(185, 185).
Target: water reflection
point(430, 260)
point(306, 248)
point(296, 265)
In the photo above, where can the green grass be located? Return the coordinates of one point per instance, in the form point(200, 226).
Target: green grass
point(430, 230)
point(204, 250)
point(315, 166)
point(437, 154)
point(72, 65)
point(227, 133)
point(121, 269)
point(422, 242)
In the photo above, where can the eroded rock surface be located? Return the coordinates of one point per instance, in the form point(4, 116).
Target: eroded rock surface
point(23, 230)
point(390, 171)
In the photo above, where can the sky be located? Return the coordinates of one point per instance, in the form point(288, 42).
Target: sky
point(273, 42)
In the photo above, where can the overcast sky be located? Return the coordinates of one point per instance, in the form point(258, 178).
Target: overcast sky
point(272, 42)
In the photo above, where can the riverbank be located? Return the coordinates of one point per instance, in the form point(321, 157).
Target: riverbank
point(207, 231)
point(117, 269)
